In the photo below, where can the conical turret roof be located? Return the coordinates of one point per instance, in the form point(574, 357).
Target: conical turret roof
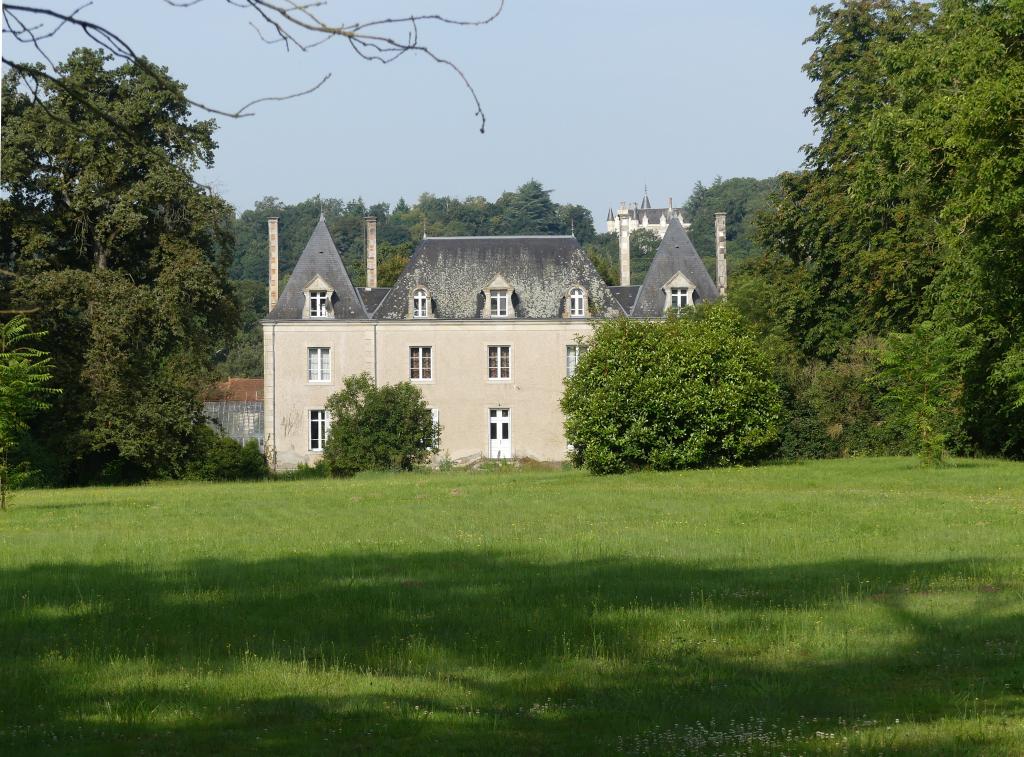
point(676, 254)
point(319, 258)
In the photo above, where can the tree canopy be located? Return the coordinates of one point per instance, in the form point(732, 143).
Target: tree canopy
point(527, 210)
point(120, 256)
point(910, 206)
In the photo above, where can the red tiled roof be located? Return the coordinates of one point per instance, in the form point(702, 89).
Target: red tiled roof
point(236, 390)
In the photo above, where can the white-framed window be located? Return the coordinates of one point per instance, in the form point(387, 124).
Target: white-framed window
point(499, 362)
point(318, 300)
point(319, 427)
point(572, 359)
point(499, 303)
point(577, 303)
point(677, 297)
point(319, 364)
point(420, 304)
point(420, 364)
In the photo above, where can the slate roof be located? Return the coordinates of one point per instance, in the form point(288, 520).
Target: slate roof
point(645, 204)
point(540, 270)
point(373, 297)
point(320, 258)
point(626, 296)
point(675, 254)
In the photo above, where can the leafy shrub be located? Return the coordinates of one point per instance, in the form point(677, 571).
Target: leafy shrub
point(691, 391)
point(923, 389)
point(221, 458)
point(385, 427)
point(840, 408)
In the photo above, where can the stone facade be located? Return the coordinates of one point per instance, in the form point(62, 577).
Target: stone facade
point(487, 327)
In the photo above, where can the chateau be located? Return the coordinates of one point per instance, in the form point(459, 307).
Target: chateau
point(487, 327)
point(643, 216)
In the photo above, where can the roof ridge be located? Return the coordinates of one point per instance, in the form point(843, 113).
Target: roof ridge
point(507, 236)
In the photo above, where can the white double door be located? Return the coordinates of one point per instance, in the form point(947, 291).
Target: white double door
point(500, 433)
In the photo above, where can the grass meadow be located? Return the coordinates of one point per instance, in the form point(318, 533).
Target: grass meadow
point(842, 607)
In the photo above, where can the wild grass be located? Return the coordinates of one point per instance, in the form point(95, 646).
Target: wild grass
point(845, 607)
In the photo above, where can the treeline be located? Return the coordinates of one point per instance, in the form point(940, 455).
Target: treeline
point(527, 210)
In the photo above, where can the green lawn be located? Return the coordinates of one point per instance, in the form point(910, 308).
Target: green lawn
point(856, 606)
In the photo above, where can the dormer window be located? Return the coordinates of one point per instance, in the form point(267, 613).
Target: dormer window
point(679, 293)
point(420, 304)
point(577, 303)
point(499, 303)
point(679, 298)
point(318, 300)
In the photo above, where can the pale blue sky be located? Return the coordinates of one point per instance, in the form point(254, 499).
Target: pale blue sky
point(593, 98)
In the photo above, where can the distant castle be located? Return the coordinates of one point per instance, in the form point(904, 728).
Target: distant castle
point(643, 216)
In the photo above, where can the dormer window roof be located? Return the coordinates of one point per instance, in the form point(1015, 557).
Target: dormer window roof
point(319, 298)
point(421, 304)
point(498, 299)
point(576, 305)
point(680, 292)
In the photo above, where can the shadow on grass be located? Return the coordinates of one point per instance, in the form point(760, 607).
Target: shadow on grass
point(480, 652)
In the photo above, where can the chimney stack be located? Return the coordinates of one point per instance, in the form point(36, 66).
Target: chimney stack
point(272, 283)
point(669, 204)
point(371, 252)
point(623, 245)
point(720, 264)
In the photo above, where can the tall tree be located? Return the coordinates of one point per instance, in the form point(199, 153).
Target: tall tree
point(910, 206)
point(741, 199)
point(120, 255)
point(528, 210)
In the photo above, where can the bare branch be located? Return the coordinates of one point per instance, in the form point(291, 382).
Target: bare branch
point(240, 113)
point(293, 23)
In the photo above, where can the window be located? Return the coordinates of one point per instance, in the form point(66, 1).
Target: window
point(419, 364)
point(319, 364)
point(572, 359)
point(318, 304)
point(499, 362)
point(577, 303)
point(677, 297)
point(319, 426)
point(499, 303)
point(420, 304)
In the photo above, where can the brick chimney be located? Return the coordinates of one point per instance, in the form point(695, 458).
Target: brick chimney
point(272, 283)
point(720, 263)
point(623, 245)
point(371, 252)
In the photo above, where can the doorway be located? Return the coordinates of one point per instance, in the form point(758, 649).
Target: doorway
point(500, 433)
